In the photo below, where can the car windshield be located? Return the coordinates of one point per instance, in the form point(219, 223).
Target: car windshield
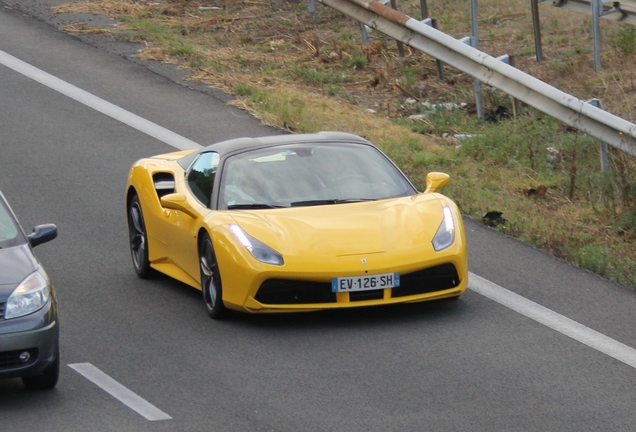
point(309, 174)
point(9, 232)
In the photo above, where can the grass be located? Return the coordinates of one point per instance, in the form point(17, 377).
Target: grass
point(307, 75)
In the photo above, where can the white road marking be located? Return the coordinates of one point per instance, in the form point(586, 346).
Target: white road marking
point(119, 392)
point(528, 308)
point(105, 107)
point(555, 321)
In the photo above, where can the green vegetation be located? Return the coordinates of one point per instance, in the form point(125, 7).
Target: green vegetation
point(357, 61)
point(623, 39)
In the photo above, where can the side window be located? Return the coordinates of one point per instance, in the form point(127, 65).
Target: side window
point(8, 228)
point(201, 176)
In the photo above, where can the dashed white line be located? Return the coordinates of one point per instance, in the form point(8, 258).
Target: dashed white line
point(555, 321)
point(133, 120)
point(119, 392)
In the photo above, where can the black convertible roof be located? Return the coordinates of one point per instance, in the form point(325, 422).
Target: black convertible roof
point(238, 144)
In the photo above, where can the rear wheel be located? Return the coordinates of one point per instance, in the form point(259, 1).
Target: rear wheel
point(211, 279)
point(138, 239)
point(48, 378)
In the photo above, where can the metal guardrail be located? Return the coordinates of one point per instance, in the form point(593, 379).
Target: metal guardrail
point(572, 111)
point(612, 10)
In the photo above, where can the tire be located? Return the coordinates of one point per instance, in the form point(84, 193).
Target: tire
point(211, 280)
point(48, 378)
point(138, 239)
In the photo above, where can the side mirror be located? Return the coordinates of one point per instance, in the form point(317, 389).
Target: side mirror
point(435, 181)
point(42, 234)
point(177, 201)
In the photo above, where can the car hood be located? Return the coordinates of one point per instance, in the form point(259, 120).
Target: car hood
point(347, 229)
point(16, 263)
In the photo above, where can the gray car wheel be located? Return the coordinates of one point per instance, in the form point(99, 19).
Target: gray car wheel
point(138, 239)
point(211, 279)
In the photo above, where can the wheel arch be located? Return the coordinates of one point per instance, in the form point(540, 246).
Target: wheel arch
point(130, 193)
point(200, 234)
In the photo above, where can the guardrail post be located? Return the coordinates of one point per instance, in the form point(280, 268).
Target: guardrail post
point(400, 45)
point(423, 9)
point(440, 65)
point(364, 34)
point(474, 42)
point(536, 25)
point(470, 40)
point(516, 106)
point(597, 7)
point(604, 148)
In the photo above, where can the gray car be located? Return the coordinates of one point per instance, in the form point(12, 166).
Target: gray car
point(29, 327)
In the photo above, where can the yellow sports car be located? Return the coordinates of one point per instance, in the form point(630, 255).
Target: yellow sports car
point(294, 223)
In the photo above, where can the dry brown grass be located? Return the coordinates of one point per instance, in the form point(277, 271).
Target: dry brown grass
point(260, 33)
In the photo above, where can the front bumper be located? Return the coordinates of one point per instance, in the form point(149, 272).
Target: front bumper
point(345, 300)
point(278, 293)
point(37, 334)
point(427, 284)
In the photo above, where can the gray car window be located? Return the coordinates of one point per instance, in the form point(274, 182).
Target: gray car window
point(201, 176)
point(8, 228)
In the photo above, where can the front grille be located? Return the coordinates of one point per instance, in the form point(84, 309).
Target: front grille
point(283, 291)
point(2, 306)
point(366, 295)
point(427, 281)
point(11, 360)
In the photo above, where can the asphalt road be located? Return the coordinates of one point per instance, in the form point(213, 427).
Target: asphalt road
point(564, 362)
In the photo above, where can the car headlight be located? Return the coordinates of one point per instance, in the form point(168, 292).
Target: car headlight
point(30, 296)
point(445, 235)
point(259, 250)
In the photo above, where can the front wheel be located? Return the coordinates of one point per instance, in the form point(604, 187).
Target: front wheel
point(211, 280)
point(138, 239)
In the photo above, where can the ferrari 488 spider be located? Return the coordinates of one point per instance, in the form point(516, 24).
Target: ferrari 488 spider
point(294, 223)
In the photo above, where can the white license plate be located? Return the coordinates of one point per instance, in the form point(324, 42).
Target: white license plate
point(364, 283)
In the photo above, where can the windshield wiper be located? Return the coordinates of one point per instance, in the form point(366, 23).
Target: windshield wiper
point(252, 206)
point(329, 201)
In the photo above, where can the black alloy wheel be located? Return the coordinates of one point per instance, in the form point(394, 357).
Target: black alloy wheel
point(138, 239)
point(211, 279)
